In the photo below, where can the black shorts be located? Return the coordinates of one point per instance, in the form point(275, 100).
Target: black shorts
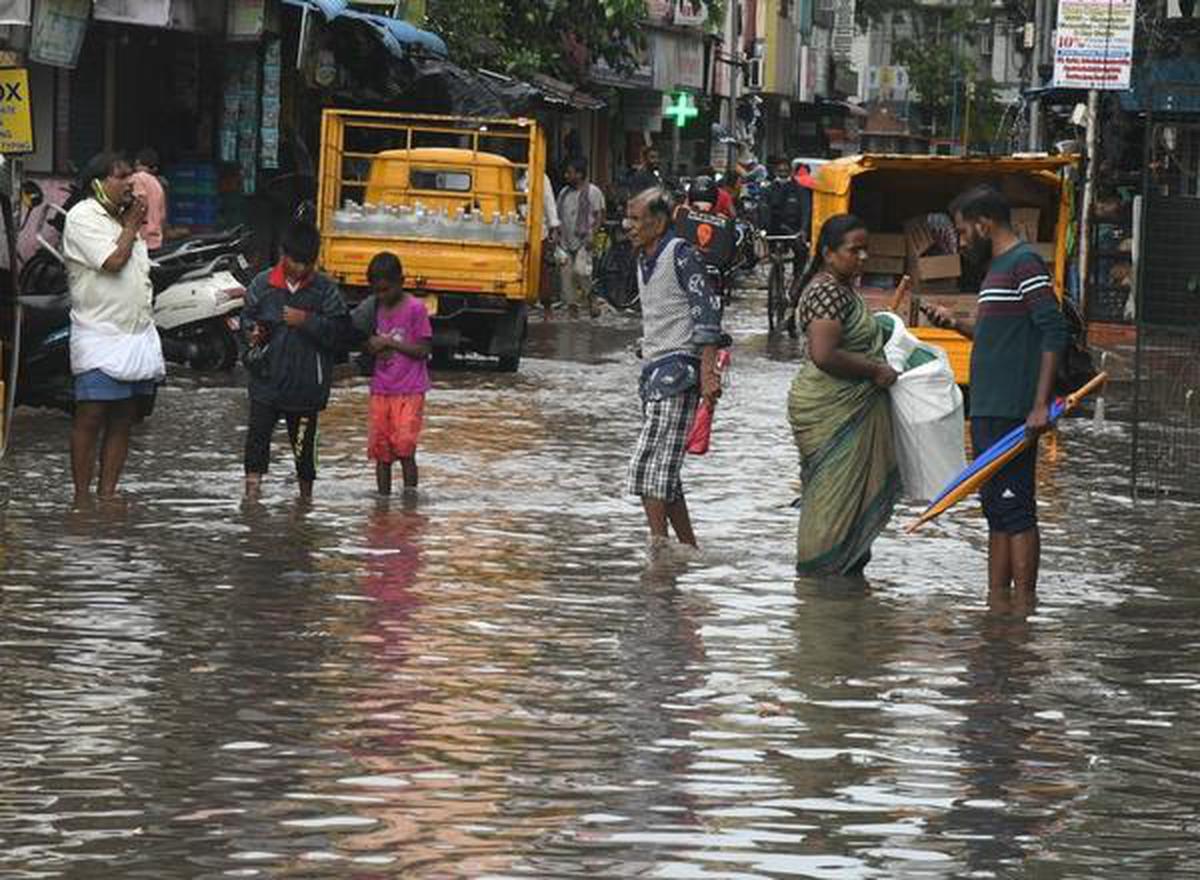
point(1010, 497)
point(302, 431)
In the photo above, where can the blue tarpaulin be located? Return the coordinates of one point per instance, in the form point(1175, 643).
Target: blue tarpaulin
point(395, 34)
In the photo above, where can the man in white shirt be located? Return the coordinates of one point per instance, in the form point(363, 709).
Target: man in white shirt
point(581, 211)
point(116, 355)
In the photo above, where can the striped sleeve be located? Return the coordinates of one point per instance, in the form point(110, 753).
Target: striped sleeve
point(1032, 281)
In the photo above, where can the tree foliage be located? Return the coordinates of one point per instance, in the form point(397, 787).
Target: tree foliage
point(558, 37)
point(550, 36)
point(938, 53)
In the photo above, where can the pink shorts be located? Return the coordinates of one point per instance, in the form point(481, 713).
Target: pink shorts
point(396, 422)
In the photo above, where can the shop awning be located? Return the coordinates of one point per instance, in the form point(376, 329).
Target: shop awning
point(557, 91)
point(398, 36)
point(539, 89)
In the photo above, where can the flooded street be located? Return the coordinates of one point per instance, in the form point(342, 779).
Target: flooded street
point(488, 682)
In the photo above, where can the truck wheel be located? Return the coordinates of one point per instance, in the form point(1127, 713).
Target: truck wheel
point(510, 363)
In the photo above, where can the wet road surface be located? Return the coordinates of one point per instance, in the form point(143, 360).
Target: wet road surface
point(489, 682)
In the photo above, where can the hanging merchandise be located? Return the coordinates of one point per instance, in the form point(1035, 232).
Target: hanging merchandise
point(230, 107)
point(58, 30)
point(248, 122)
point(240, 114)
point(271, 72)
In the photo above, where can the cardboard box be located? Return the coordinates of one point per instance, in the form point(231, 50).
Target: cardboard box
point(918, 238)
point(937, 268)
point(882, 244)
point(884, 265)
point(1025, 222)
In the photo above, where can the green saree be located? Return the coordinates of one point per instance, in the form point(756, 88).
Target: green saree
point(843, 429)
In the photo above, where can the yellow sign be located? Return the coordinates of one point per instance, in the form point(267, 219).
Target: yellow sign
point(16, 117)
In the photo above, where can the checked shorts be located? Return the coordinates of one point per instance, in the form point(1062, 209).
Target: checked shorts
point(654, 469)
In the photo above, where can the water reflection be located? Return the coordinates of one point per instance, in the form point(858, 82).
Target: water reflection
point(488, 681)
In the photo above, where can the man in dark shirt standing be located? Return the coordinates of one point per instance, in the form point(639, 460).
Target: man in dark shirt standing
point(1019, 333)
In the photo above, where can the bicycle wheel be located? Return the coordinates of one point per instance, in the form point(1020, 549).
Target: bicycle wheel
point(776, 297)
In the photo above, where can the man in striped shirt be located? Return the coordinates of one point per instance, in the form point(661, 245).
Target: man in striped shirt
point(1019, 333)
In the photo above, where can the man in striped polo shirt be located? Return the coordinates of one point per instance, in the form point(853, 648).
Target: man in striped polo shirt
point(1019, 333)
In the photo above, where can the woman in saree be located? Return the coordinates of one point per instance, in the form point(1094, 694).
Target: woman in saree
point(840, 412)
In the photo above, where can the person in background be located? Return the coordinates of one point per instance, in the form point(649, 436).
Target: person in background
point(1019, 334)
point(299, 322)
point(149, 188)
point(116, 355)
point(551, 224)
point(399, 337)
point(681, 331)
point(840, 412)
point(721, 201)
point(646, 175)
point(789, 211)
point(581, 211)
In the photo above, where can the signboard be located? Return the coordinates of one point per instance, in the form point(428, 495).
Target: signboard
point(1093, 48)
point(58, 30)
point(16, 119)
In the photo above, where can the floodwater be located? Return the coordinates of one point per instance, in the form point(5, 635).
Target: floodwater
point(489, 681)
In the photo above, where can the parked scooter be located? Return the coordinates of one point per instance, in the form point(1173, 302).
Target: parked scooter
point(199, 291)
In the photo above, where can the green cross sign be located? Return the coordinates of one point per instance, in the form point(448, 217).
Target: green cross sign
point(683, 109)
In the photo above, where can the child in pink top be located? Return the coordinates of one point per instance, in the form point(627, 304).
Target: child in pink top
point(401, 343)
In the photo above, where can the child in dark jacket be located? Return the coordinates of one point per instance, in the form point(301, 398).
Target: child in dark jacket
point(299, 323)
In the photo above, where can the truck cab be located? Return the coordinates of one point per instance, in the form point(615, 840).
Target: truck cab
point(444, 194)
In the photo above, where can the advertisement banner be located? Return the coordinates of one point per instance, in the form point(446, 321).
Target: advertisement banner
point(58, 30)
point(152, 13)
point(1093, 48)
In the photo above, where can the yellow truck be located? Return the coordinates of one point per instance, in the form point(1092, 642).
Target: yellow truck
point(887, 190)
point(458, 199)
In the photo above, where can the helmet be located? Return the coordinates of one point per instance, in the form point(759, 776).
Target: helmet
point(703, 189)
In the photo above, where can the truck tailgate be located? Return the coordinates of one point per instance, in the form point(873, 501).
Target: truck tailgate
point(452, 266)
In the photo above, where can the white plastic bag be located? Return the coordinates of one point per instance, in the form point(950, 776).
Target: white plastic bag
point(900, 344)
point(927, 415)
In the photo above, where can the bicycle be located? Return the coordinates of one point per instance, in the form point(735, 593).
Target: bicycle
point(777, 287)
point(614, 271)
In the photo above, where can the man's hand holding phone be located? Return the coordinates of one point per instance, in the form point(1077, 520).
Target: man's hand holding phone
point(135, 214)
